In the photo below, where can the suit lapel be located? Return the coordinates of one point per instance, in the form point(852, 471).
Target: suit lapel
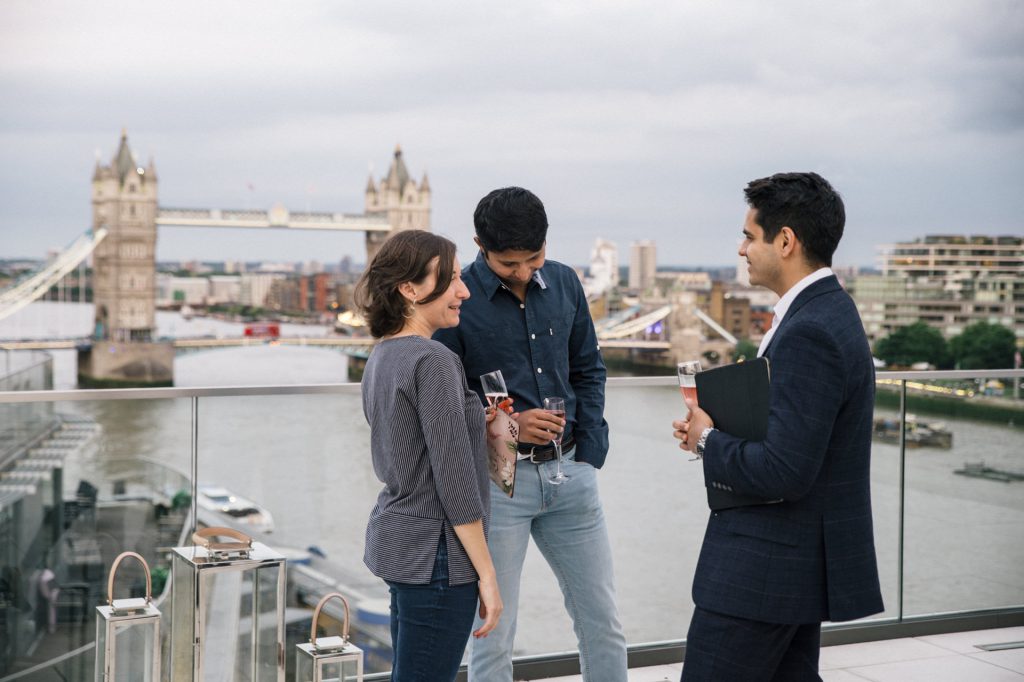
point(822, 286)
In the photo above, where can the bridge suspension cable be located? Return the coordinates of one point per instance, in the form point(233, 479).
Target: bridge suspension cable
point(637, 325)
point(709, 321)
point(20, 295)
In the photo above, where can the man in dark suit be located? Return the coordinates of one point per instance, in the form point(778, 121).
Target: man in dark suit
point(769, 574)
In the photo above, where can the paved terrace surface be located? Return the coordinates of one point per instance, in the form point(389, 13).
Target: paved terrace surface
point(955, 657)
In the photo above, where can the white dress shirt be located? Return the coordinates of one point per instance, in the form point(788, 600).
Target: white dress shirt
point(782, 307)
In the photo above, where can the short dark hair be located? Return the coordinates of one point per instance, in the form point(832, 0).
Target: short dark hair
point(404, 257)
point(806, 203)
point(511, 219)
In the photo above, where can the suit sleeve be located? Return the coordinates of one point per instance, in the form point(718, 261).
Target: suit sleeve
point(806, 392)
point(587, 376)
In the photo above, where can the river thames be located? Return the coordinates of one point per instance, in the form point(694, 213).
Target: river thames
point(305, 458)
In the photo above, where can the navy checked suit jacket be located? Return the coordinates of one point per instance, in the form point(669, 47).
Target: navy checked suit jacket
point(810, 558)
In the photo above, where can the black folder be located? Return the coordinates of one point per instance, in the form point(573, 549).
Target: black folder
point(736, 398)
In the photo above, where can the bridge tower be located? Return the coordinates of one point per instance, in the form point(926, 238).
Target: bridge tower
point(124, 200)
point(406, 203)
point(683, 327)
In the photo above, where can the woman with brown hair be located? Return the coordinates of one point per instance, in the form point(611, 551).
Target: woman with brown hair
point(427, 533)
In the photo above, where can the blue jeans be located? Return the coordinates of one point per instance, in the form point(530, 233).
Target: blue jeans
point(430, 625)
point(567, 523)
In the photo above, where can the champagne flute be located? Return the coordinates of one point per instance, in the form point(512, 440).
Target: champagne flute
point(687, 373)
point(556, 406)
point(493, 385)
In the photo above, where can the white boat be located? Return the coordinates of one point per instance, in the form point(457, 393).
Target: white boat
point(237, 509)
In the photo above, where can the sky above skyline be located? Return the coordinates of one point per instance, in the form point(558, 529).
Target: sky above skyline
point(631, 120)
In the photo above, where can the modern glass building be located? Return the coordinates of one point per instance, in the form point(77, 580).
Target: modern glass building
point(947, 281)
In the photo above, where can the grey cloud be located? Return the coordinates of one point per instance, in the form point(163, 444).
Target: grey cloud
point(630, 119)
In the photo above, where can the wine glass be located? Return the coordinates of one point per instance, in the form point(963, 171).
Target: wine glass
point(556, 406)
point(493, 385)
point(687, 372)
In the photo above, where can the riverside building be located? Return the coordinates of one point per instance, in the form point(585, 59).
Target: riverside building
point(946, 281)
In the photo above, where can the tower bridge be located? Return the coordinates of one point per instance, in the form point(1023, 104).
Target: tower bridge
point(122, 243)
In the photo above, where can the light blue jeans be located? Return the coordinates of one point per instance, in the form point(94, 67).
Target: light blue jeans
point(567, 524)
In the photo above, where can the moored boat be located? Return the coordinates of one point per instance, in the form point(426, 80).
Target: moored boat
point(235, 509)
point(919, 433)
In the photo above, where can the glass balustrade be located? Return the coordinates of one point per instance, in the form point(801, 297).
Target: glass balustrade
point(85, 475)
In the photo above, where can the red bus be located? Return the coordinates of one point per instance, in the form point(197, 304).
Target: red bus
point(263, 330)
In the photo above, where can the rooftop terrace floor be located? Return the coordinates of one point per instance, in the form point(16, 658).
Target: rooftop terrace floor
point(952, 657)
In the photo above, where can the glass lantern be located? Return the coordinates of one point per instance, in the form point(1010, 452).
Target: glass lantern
point(128, 633)
point(227, 609)
point(329, 659)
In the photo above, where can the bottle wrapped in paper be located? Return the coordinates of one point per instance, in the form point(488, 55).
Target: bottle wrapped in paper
point(502, 440)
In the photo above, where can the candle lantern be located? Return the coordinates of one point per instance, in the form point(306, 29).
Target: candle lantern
point(227, 609)
point(329, 659)
point(128, 633)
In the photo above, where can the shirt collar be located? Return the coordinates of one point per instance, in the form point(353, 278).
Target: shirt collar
point(490, 281)
point(782, 307)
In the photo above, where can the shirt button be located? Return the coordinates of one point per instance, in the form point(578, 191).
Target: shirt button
point(540, 371)
point(522, 305)
point(533, 336)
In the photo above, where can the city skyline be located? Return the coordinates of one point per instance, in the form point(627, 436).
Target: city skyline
point(631, 121)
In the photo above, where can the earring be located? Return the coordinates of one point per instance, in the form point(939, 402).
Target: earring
point(410, 311)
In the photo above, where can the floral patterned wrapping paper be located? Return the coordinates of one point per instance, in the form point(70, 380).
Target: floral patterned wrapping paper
point(502, 453)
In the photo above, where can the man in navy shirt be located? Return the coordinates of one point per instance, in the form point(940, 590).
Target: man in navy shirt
point(529, 318)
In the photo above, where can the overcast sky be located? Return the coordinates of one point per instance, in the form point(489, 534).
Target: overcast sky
point(630, 119)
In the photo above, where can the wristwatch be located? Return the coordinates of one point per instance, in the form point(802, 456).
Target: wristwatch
point(702, 441)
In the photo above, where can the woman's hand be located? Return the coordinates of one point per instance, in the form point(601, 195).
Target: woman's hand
point(505, 406)
point(471, 535)
point(490, 605)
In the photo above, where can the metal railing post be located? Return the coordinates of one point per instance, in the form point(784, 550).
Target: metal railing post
point(195, 463)
point(903, 500)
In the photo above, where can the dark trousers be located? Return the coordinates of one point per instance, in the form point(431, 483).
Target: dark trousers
point(722, 648)
point(430, 625)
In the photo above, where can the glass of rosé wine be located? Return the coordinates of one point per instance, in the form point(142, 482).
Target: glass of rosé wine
point(493, 385)
point(687, 373)
point(556, 406)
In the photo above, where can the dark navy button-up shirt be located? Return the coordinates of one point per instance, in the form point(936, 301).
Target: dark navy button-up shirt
point(545, 346)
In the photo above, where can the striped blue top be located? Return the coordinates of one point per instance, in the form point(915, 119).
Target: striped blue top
point(427, 439)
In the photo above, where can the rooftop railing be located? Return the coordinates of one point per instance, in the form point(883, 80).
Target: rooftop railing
point(947, 494)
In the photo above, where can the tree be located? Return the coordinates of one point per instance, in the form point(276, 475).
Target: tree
point(745, 349)
point(984, 346)
point(914, 343)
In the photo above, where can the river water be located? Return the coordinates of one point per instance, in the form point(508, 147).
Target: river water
point(306, 459)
